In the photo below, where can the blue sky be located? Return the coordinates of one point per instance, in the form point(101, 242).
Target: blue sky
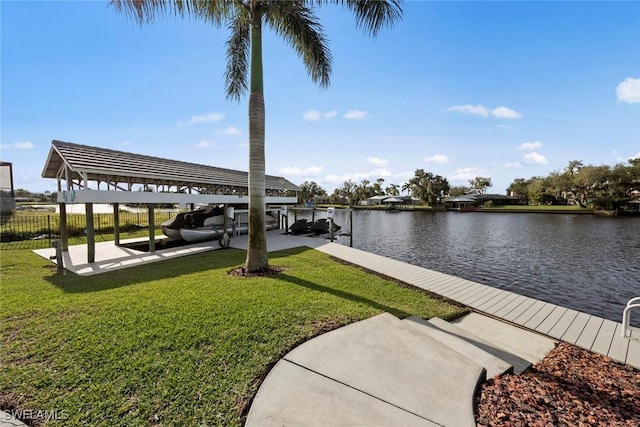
point(461, 89)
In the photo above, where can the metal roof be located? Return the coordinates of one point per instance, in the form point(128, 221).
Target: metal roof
point(470, 198)
point(99, 164)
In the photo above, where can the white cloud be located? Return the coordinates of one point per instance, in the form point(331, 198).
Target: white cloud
point(637, 156)
point(355, 114)
point(512, 165)
point(376, 161)
point(312, 116)
point(505, 113)
point(482, 111)
point(22, 145)
point(335, 179)
point(315, 115)
point(629, 91)
point(298, 171)
point(203, 144)
point(530, 146)
point(126, 143)
point(507, 127)
point(358, 176)
point(475, 110)
point(465, 174)
point(231, 130)
point(378, 173)
point(405, 176)
point(440, 159)
point(203, 118)
point(534, 158)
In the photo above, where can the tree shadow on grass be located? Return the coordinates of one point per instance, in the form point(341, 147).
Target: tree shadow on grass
point(343, 294)
point(171, 268)
point(175, 267)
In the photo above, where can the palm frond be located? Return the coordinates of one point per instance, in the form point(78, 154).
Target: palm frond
point(146, 11)
point(371, 15)
point(238, 50)
point(297, 23)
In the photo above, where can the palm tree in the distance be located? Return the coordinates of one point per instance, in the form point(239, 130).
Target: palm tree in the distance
point(294, 21)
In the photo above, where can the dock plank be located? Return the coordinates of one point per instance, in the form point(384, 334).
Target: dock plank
point(574, 330)
point(562, 324)
point(436, 282)
point(448, 287)
point(490, 294)
point(540, 316)
point(509, 307)
point(498, 303)
point(590, 332)
point(514, 314)
point(469, 289)
point(411, 278)
point(493, 296)
point(633, 353)
point(475, 294)
point(530, 312)
point(602, 343)
point(619, 346)
point(408, 275)
point(426, 280)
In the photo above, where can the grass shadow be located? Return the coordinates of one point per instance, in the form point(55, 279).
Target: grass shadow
point(343, 294)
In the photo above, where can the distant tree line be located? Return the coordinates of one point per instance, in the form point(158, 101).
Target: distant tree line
point(424, 186)
point(602, 187)
point(47, 196)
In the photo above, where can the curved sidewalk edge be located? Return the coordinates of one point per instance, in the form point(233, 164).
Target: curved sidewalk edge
point(8, 420)
point(378, 371)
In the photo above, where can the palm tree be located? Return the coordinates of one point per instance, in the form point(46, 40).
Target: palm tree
point(392, 190)
point(297, 23)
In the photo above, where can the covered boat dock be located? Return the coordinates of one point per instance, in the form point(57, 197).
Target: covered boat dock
point(89, 175)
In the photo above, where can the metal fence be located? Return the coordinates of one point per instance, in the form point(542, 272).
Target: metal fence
point(37, 231)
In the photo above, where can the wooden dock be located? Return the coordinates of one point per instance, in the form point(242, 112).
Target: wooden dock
point(587, 331)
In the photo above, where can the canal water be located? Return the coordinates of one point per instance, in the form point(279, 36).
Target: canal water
point(587, 263)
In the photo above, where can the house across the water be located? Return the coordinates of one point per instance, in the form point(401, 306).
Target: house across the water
point(470, 201)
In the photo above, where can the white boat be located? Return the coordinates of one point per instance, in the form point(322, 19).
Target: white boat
point(208, 224)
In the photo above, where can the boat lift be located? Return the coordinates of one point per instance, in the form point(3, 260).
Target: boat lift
point(330, 214)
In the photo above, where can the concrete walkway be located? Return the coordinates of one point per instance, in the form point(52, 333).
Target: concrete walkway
point(8, 420)
point(384, 372)
point(109, 257)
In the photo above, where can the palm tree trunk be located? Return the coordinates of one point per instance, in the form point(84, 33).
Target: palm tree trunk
point(257, 259)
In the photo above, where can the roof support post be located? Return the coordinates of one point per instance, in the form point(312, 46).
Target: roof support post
point(85, 180)
point(68, 177)
point(151, 207)
point(91, 242)
point(225, 214)
point(116, 223)
point(64, 232)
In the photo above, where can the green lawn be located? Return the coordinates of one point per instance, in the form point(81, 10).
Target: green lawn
point(172, 343)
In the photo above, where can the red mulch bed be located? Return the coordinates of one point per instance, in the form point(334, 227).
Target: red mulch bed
point(570, 387)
